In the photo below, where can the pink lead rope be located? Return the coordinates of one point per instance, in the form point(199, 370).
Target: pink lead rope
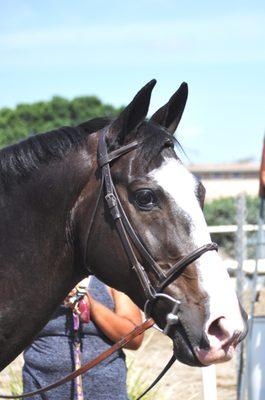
point(77, 358)
point(81, 313)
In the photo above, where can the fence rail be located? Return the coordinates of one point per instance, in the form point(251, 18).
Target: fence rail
point(232, 228)
point(232, 264)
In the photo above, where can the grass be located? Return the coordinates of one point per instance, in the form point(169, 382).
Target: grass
point(11, 380)
point(138, 379)
point(136, 383)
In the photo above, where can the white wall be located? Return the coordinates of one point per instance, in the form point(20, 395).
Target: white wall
point(216, 188)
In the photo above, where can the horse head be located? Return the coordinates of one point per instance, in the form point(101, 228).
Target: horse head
point(163, 202)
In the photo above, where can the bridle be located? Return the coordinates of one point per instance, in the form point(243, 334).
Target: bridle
point(129, 237)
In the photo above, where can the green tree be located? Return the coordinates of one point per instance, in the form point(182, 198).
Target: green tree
point(27, 119)
point(223, 212)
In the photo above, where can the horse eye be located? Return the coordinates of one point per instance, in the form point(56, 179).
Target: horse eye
point(145, 199)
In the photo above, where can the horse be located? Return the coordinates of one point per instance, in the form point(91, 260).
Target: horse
point(56, 228)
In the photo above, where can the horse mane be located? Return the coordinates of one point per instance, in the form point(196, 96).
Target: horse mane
point(18, 160)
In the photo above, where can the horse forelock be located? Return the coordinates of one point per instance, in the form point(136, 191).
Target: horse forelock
point(156, 143)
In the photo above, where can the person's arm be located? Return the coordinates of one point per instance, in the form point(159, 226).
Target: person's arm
point(118, 323)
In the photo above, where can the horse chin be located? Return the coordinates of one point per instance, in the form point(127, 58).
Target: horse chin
point(184, 351)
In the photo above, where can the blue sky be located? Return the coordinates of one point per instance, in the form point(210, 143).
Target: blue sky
point(113, 48)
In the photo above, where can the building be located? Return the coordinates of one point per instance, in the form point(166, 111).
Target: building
point(229, 179)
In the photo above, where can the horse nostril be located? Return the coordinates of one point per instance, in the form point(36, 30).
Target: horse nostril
point(220, 329)
point(222, 335)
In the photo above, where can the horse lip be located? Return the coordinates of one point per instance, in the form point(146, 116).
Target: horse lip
point(233, 341)
point(217, 355)
point(208, 357)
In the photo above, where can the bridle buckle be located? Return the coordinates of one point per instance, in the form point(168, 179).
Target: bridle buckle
point(111, 200)
point(113, 206)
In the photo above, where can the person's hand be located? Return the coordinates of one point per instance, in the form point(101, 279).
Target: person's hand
point(70, 299)
point(83, 307)
point(79, 303)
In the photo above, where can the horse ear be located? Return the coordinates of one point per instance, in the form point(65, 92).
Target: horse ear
point(170, 114)
point(132, 115)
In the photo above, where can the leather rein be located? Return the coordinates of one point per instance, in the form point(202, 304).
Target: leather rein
point(129, 237)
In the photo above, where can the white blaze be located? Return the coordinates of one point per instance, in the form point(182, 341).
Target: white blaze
point(178, 183)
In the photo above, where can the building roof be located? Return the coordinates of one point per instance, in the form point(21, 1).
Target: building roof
point(224, 167)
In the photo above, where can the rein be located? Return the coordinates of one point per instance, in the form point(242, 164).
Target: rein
point(138, 330)
point(128, 236)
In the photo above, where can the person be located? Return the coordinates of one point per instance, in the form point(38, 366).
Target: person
point(53, 354)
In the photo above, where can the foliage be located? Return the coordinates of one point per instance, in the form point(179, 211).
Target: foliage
point(12, 382)
point(138, 377)
point(223, 212)
point(29, 119)
point(137, 384)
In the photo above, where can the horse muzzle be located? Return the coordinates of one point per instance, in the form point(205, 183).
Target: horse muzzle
point(195, 342)
point(223, 339)
point(217, 345)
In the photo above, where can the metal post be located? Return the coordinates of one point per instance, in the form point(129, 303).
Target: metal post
point(246, 371)
point(241, 247)
point(209, 383)
point(240, 243)
point(260, 243)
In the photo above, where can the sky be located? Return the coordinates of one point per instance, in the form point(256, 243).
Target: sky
point(112, 48)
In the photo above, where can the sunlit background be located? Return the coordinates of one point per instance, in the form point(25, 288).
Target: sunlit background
point(111, 49)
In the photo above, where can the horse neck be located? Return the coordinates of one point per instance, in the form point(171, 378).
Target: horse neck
point(39, 263)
